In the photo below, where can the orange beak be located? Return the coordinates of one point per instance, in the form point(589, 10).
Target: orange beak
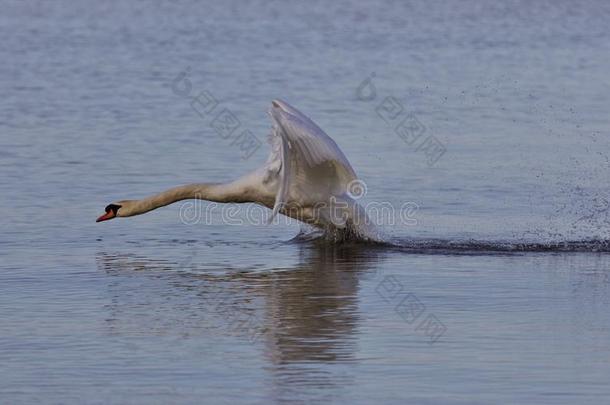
point(106, 216)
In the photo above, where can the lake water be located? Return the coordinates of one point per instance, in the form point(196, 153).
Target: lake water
point(496, 290)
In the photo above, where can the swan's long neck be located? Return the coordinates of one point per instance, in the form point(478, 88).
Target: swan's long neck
point(230, 192)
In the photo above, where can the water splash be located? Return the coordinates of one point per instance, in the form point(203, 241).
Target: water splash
point(451, 246)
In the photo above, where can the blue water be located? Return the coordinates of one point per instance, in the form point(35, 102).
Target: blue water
point(497, 293)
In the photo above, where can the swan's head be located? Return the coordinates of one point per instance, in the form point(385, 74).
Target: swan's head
point(124, 208)
point(112, 211)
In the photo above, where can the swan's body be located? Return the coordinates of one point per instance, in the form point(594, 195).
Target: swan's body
point(306, 177)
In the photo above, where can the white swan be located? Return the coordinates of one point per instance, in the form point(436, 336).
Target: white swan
point(306, 177)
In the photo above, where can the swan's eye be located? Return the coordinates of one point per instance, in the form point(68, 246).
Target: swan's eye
point(112, 207)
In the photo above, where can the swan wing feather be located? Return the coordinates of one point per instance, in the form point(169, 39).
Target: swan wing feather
point(312, 167)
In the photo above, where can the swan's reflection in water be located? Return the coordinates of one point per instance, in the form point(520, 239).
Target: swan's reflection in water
point(297, 317)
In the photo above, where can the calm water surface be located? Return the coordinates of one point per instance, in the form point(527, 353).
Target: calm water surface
point(480, 301)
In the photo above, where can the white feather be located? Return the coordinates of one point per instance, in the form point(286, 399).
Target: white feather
point(312, 165)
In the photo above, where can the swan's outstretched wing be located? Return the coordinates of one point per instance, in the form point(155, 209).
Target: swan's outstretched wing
point(310, 166)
